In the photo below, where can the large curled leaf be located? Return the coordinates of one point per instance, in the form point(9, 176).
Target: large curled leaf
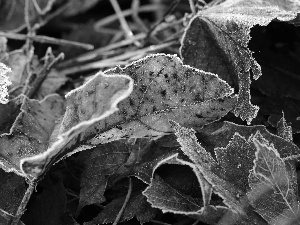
point(216, 41)
point(165, 89)
point(273, 187)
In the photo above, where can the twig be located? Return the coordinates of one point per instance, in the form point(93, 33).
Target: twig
point(192, 6)
point(125, 203)
point(196, 222)
point(124, 24)
point(135, 6)
point(107, 20)
point(100, 51)
point(170, 10)
point(22, 207)
point(159, 222)
point(117, 60)
point(32, 85)
point(46, 39)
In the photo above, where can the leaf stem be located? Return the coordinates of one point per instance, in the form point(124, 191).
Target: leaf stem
point(125, 202)
point(25, 200)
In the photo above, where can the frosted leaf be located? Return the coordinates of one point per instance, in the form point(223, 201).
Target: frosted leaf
point(91, 102)
point(27, 126)
point(4, 82)
point(164, 89)
point(216, 41)
point(219, 135)
point(161, 195)
point(283, 130)
point(272, 188)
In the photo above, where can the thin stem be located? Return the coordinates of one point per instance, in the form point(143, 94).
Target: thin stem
point(22, 207)
point(127, 12)
point(159, 222)
point(46, 39)
point(135, 6)
point(116, 60)
point(192, 6)
point(124, 24)
point(125, 202)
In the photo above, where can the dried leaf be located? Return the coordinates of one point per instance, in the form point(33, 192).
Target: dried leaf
point(51, 84)
point(216, 41)
point(12, 190)
point(283, 130)
point(272, 191)
point(234, 196)
point(27, 126)
point(219, 135)
point(112, 161)
point(236, 160)
point(165, 89)
point(86, 105)
point(161, 195)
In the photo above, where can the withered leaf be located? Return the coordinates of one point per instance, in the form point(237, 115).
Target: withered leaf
point(233, 195)
point(165, 89)
point(27, 126)
point(161, 195)
point(85, 105)
point(216, 41)
point(219, 134)
point(12, 190)
point(273, 190)
point(113, 161)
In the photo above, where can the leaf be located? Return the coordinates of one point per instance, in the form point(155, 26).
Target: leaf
point(161, 195)
point(272, 190)
point(51, 84)
point(216, 41)
point(283, 130)
point(27, 126)
point(236, 159)
point(143, 113)
point(165, 89)
point(233, 195)
point(85, 105)
point(4, 82)
point(103, 160)
point(136, 206)
point(219, 135)
point(12, 190)
point(48, 207)
point(113, 161)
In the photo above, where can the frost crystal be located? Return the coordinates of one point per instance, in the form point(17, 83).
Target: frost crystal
point(4, 82)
